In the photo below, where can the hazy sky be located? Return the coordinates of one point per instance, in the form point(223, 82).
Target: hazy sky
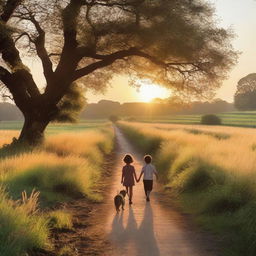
point(238, 14)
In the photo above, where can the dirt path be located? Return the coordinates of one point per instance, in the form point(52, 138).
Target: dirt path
point(149, 228)
point(143, 229)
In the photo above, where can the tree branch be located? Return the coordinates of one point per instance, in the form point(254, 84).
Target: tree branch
point(39, 43)
point(69, 60)
point(26, 87)
point(5, 76)
point(112, 4)
point(52, 54)
point(24, 34)
point(41, 50)
point(69, 17)
point(107, 60)
point(7, 96)
point(9, 9)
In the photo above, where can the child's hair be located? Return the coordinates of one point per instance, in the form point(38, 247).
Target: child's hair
point(128, 159)
point(148, 159)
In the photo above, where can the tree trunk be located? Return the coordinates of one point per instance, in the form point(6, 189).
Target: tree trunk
point(33, 131)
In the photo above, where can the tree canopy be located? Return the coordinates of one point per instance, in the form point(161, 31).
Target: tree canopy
point(84, 43)
point(245, 96)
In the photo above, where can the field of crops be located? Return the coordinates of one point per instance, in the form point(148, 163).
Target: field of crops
point(239, 119)
point(212, 173)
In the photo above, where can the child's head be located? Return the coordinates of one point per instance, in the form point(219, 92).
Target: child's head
point(128, 159)
point(147, 159)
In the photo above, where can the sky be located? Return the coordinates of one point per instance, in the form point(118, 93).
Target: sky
point(240, 15)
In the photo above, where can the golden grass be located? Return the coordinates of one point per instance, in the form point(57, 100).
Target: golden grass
point(235, 154)
point(211, 172)
point(59, 219)
point(6, 136)
point(80, 155)
point(66, 166)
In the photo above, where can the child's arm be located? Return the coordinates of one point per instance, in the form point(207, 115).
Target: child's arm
point(142, 171)
point(135, 175)
point(122, 179)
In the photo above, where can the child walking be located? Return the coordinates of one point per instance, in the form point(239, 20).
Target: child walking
point(128, 175)
point(147, 171)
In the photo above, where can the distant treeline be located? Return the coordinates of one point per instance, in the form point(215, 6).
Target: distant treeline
point(105, 108)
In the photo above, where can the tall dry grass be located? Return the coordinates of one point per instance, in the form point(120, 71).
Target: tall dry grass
point(7, 136)
point(237, 153)
point(67, 166)
point(212, 170)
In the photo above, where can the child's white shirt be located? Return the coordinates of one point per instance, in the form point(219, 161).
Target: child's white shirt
point(148, 170)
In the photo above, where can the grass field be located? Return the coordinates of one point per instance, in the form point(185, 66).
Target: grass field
point(54, 128)
point(33, 182)
point(211, 171)
point(239, 119)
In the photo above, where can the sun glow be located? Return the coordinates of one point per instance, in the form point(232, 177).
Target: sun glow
point(148, 92)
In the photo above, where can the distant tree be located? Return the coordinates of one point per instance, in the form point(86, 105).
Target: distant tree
point(174, 43)
point(210, 120)
point(114, 118)
point(245, 96)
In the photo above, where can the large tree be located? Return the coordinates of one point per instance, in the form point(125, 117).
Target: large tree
point(175, 43)
point(245, 96)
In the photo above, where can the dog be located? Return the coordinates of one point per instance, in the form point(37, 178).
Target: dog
point(119, 200)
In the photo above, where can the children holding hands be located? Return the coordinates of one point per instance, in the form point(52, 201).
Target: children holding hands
point(129, 175)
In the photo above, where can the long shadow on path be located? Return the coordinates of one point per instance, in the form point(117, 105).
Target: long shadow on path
point(139, 239)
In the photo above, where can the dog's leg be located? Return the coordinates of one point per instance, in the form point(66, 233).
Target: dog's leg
point(123, 205)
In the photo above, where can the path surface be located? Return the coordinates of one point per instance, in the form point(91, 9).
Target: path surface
point(149, 228)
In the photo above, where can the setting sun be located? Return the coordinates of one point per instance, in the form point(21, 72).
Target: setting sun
point(148, 92)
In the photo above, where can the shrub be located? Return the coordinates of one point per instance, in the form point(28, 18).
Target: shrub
point(114, 118)
point(210, 120)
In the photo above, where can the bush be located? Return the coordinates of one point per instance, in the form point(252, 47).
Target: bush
point(210, 120)
point(114, 118)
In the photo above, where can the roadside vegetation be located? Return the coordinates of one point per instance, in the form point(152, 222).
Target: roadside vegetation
point(211, 171)
point(34, 182)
